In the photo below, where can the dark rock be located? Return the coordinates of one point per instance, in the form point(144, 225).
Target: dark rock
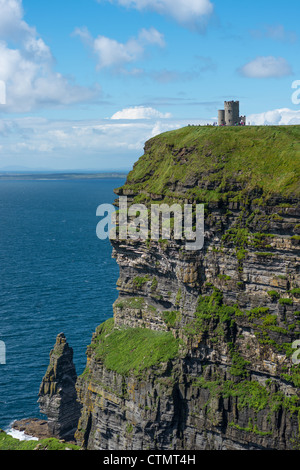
point(33, 427)
point(233, 384)
point(57, 394)
point(174, 409)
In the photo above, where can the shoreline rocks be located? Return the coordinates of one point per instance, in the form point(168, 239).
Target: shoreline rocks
point(33, 427)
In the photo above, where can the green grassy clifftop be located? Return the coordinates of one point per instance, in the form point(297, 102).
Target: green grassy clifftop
point(216, 163)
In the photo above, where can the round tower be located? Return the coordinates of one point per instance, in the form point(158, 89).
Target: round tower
point(221, 117)
point(232, 112)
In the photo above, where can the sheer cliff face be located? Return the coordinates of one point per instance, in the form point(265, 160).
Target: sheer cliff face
point(199, 354)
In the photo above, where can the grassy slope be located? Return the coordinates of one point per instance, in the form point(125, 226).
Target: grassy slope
point(133, 349)
point(263, 157)
point(9, 443)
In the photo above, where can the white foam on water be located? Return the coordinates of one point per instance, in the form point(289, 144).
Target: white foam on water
point(20, 435)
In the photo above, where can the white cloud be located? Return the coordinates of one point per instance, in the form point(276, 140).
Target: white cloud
point(32, 84)
point(36, 48)
point(111, 53)
point(12, 25)
point(186, 12)
point(28, 68)
point(16, 30)
point(105, 144)
point(140, 112)
point(275, 117)
point(266, 67)
point(151, 36)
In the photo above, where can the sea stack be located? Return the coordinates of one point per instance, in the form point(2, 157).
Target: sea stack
point(57, 394)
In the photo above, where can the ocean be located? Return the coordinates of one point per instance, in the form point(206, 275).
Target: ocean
point(55, 276)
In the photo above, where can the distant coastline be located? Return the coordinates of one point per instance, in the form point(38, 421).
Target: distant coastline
point(21, 175)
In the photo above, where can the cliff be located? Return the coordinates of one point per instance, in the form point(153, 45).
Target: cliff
point(199, 353)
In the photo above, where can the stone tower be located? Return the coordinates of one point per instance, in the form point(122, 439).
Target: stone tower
point(230, 115)
point(232, 112)
point(221, 117)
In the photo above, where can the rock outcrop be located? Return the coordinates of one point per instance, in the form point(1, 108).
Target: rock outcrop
point(34, 427)
point(199, 353)
point(57, 394)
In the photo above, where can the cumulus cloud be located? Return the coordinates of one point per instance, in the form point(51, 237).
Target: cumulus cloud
point(12, 25)
point(266, 67)
point(27, 67)
point(113, 54)
point(140, 112)
point(191, 13)
point(275, 117)
point(31, 84)
point(16, 30)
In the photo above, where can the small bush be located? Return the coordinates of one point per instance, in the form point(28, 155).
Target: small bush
point(274, 294)
point(140, 281)
point(286, 301)
point(224, 277)
point(170, 318)
point(295, 292)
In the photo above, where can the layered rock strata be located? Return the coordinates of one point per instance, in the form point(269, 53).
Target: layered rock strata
point(200, 351)
point(57, 394)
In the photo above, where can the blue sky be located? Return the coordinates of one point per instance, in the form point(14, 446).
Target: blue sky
point(89, 81)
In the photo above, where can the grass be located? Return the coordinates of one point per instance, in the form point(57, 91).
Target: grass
point(9, 443)
point(133, 349)
point(171, 318)
point(250, 394)
point(295, 291)
point(239, 364)
point(273, 294)
point(211, 308)
point(258, 157)
point(139, 281)
point(286, 301)
point(251, 428)
point(136, 303)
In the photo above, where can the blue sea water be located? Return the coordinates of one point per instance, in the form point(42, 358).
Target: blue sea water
point(55, 276)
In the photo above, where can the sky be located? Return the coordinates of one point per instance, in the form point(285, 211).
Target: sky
point(85, 83)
